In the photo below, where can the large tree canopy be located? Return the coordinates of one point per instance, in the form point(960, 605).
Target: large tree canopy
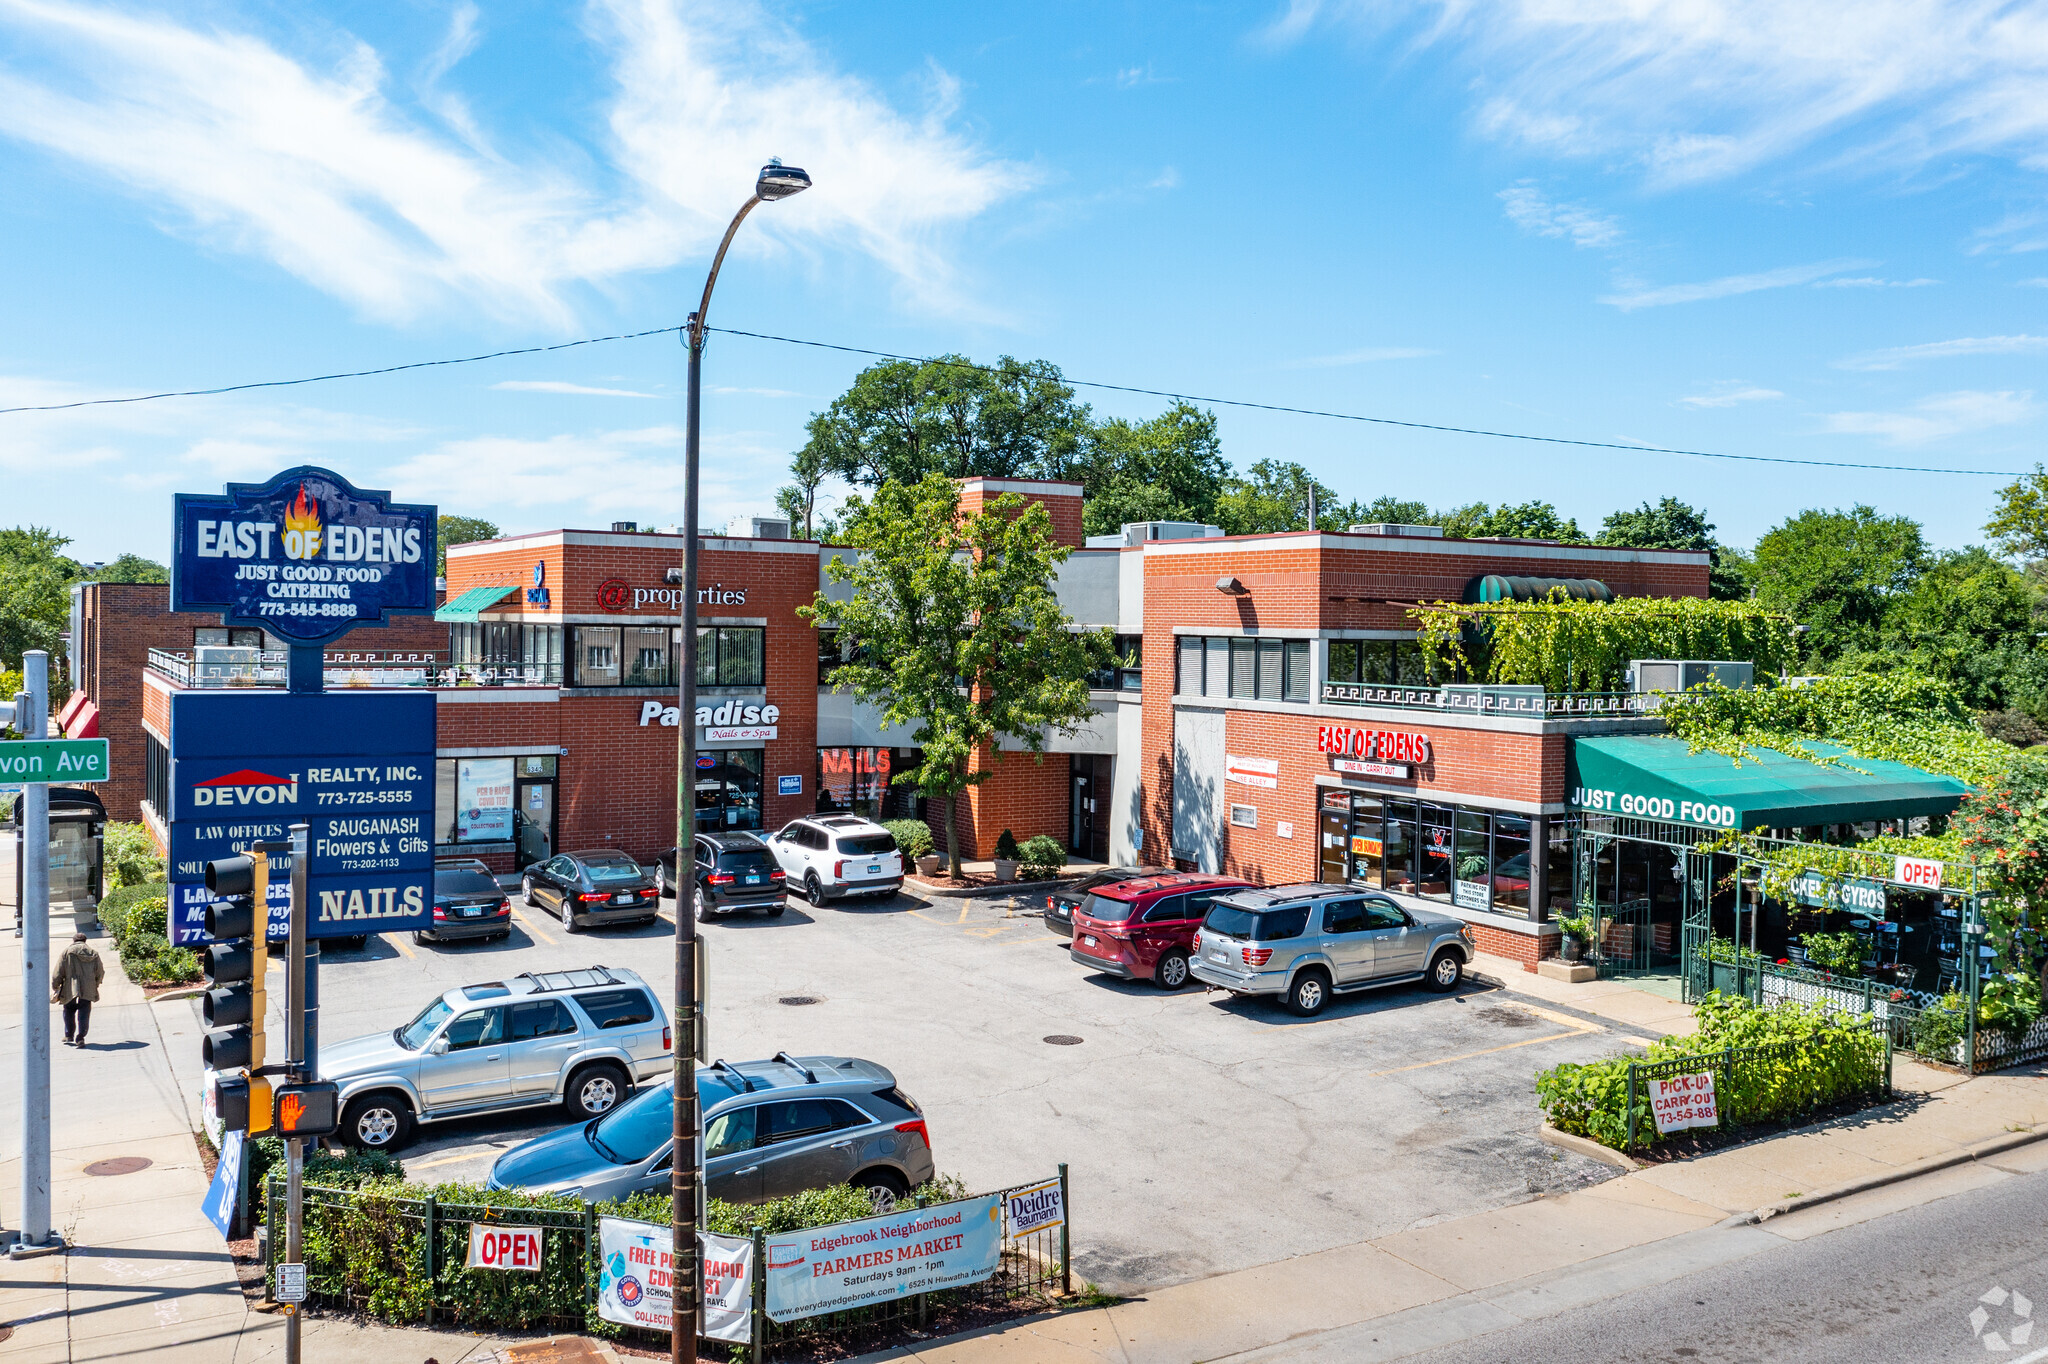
point(1170, 468)
point(1672, 524)
point(458, 530)
point(35, 590)
point(1838, 573)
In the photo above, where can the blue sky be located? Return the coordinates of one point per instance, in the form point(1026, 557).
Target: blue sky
point(1790, 228)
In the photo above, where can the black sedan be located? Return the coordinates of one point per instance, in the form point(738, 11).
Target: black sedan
point(467, 903)
point(1059, 904)
point(600, 886)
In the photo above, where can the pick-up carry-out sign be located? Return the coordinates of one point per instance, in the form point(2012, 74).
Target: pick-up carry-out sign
point(1684, 1101)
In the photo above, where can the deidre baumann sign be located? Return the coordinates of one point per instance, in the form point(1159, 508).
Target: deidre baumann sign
point(306, 555)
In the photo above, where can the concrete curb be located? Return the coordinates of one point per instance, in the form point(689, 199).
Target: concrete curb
point(1586, 1146)
point(1926, 1166)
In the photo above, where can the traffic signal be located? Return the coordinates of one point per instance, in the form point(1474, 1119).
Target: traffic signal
point(233, 1007)
point(312, 1109)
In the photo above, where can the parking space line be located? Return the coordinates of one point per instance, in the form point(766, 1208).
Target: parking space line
point(963, 913)
point(531, 931)
point(444, 1160)
point(398, 941)
point(1533, 1041)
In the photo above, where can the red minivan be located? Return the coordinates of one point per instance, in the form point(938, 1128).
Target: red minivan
point(1145, 929)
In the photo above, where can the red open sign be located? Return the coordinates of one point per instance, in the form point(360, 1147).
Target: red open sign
point(504, 1247)
point(1919, 871)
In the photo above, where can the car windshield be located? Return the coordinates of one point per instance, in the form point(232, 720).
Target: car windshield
point(414, 1035)
point(464, 882)
point(642, 1125)
point(1274, 925)
point(755, 859)
point(621, 869)
point(1104, 908)
point(867, 845)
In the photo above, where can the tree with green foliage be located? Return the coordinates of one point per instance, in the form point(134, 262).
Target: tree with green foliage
point(458, 530)
point(1966, 618)
point(956, 633)
point(1395, 511)
point(35, 590)
point(1672, 524)
point(1838, 574)
point(1167, 468)
point(1273, 496)
point(798, 500)
point(2019, 524)
point(1536, 520)
point(903, 419)
point(131, 568)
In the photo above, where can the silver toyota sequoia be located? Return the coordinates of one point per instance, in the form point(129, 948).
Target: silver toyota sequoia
point(1302, 944)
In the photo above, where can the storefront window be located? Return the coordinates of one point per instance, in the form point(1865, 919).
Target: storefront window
point(731, 656)
point(1511, 864)
point(1388, 662)
point(1400, 839)
point(480, 800)
point(644, 652)
point(855, 779)
point(1473, 888)
point(597, 656)
point(1434, 876)
point(729, 789)
point(1253, 669)
point(1368, 841)
point(1560, 862)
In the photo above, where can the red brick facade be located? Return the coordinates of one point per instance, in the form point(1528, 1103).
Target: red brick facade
point(1062, 501)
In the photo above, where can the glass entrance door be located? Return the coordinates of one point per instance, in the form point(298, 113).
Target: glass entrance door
point(535, 826)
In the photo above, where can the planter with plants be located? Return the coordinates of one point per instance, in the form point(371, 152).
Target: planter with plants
point(1578, 931)
point(914, 840)
point(1006, 856)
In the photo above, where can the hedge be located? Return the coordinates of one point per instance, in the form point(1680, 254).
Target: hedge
point(1042, 857)
point(137, 918)
point(913, 837)
point(1811, 1057)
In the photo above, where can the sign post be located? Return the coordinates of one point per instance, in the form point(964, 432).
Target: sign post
point(31, 712)
point(295, 1047)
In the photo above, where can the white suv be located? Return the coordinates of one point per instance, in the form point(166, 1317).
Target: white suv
point(828, 856)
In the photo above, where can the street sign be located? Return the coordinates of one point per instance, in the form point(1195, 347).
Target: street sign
point(43, 761)
point(291, 1283)
point(307, 555)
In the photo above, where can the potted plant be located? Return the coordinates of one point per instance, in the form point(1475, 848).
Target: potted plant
point(1576, 928)
point(914, 840)
point(1006, 856)
point(1043, 858)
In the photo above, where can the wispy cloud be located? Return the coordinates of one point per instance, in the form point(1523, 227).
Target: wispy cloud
point(1728, 285)
point(1873, 282)
point(322, 170)
point(2038, 282)
point(1898, 357)
point(1529, 210)
point(562, 386)
point(761, 392)
point(1366, 356)
point(1730, 394)
point(1944, 414)
point(1698, 91)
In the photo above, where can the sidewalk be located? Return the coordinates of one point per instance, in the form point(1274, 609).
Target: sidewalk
point(1488, 1270)
point(147, 1273)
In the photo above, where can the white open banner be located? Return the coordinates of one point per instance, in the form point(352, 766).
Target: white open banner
point(633, 1288)
point(1684, 1101)
point(504, 1247)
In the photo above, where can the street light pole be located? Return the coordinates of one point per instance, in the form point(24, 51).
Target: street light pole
point(686, 1283)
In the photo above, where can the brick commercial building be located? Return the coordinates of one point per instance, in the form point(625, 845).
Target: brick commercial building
point(1268, 716)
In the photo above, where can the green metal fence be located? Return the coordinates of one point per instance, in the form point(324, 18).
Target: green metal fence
point(1728, 1067)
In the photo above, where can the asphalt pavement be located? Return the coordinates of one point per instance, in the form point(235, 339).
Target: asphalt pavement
point(1202, 1135)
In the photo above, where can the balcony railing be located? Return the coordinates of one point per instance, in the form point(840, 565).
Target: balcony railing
point(266, 668)
point(1530, 703)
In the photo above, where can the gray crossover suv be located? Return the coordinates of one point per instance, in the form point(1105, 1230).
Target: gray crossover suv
point(580, 1038)
point(770, 1128)
point(1304, 943)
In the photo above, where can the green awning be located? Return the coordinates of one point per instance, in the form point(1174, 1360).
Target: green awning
point(473, 603)
point(1654, 777)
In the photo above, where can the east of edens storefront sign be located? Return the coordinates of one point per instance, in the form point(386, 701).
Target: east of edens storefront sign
point(1372, 752)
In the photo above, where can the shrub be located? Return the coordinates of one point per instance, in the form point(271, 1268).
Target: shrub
point(1939, 1029)
point(913, 836)
point(152, 961)
point(2009, 1004)
point(130, 858)
point(114, 910)
point(343, 1168)
point(1837, 1057)
point(1006, 846)
point(1838, 953)
point(1042, 856)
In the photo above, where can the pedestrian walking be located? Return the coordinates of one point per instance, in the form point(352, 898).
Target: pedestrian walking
point(76, 985)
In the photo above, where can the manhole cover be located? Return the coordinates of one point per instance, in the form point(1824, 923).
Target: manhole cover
point(799, 999)
point(118, 1165)
point(1064, 1039)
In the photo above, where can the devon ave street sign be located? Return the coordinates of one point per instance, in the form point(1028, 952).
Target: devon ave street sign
point(61, 761)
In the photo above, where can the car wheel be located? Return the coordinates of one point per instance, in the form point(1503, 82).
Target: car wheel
point(1308, 994)
point(596, 1090)
point(1446, 971)
point(569, 924)
point(377, 1122)
point(775, 911)
point(419, 940)
point(526, 892)
point(662, 890)
point(704, 915)
point(813, 892)
point(1172, 971)
point(884, 1189)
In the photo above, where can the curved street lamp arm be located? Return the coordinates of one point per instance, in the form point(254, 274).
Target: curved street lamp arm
point(711, 280)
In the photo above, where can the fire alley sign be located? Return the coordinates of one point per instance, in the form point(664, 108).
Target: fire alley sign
point(307, 555)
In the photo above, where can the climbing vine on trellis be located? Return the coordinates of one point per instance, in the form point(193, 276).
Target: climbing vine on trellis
point(1582, 646)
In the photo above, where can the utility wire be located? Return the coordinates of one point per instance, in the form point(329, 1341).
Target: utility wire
point(346, 374)
point(1385, 421)
point(969, 364)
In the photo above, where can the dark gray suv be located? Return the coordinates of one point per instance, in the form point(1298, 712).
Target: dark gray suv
point(1302, 944)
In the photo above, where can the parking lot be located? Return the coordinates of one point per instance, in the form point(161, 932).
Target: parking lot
point(1203, 1134)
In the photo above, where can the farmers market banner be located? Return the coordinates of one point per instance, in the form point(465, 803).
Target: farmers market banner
point(634, 1287)
point(851, 1264)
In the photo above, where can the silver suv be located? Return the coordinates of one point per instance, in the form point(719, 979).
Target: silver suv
point(1305, 943)
point(582, 1039)
point(771, 1128)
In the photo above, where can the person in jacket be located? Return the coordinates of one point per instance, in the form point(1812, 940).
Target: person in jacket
point(76, 985)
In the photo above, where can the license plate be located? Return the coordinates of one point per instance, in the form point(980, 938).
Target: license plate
point(1218, 954)
point(1088, 940)
point(471, 911)
point(874, 869)
point(624, 897)
point(752, 878)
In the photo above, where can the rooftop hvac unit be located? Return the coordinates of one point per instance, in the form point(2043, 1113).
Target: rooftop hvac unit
point(1396, 528)
point(758, 527)
point(1676, 675)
